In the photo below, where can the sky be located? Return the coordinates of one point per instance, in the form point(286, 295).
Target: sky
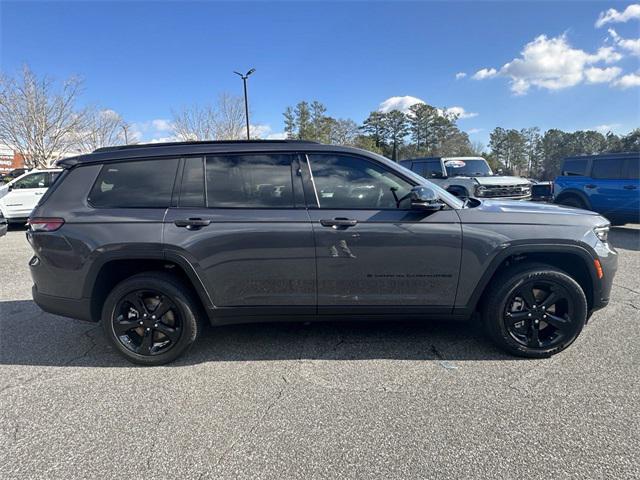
point(568, 65)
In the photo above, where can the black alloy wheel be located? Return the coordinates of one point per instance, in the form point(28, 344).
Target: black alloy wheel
point(147, 322)
point(534, 310)
point(152, 318)
point(538, 314)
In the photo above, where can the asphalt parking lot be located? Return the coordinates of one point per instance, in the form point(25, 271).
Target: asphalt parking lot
point(357, 400)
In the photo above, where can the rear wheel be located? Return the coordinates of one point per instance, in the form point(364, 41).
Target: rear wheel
point(150, 318)
point(536, 311)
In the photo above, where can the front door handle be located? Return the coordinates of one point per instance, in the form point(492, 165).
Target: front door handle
point(339, 223)
point(630, 187)
point(192, 223)
point(590, 186)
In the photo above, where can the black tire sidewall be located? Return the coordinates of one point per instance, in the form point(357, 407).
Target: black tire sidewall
point(573, 201)
point(167, 286)
point(494, 308)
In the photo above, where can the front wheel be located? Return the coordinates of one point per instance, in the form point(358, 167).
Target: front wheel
point(150, 318)
point(536, 311)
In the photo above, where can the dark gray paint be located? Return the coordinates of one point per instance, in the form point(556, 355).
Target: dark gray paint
point(254, 261)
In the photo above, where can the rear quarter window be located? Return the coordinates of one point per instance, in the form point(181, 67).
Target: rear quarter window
point(137, 184)
point(576, 167)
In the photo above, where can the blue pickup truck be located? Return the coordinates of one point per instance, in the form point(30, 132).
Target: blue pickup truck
point(608, 184)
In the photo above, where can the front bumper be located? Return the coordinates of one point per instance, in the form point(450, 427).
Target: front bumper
point(608, 259)
point(520, 197)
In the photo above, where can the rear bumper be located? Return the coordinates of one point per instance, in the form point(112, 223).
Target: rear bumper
point(66, 307)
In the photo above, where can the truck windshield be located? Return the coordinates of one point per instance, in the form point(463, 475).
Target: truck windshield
point(468, 168)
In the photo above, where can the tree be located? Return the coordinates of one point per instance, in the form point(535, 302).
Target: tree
point(397, 128)
point(631, 141)
point(102, 128)
point(38, 119)
point(422, 120)
point(375, 126)
point(533, 150)
point(303, 121)
point(342, 131)
point(222, 121)
point(290, 123)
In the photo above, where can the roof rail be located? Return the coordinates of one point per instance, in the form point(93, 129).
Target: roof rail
point(203, 142)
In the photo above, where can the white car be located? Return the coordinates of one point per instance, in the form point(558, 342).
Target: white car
point(20, 196)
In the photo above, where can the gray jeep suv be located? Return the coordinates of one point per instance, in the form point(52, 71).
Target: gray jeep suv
point(155, 241)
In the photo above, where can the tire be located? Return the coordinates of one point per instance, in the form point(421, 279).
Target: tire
point(518, 323)
point(145, 339)
point(573, 201)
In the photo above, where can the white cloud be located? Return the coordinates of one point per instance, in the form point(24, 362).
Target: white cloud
point(473, 131)
point(403, 103)
point(460, 75)
point(606, 128)
point(601, 75)
point(553, 64)
point(485, 73)
point(628, 81)
point(161, 124)
point(632, 45)
point(460, 112)
point(399, 103)
point(265, 132)
point(614, 16)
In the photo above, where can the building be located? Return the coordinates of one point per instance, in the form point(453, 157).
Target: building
point(9, 159)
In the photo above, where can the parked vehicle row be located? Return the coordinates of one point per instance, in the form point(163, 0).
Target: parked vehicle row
point(156, 240)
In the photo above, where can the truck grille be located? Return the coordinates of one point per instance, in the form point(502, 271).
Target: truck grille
point(506, 191)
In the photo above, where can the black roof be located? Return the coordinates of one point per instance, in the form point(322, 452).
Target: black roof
point(173, 149)
point(604, 155)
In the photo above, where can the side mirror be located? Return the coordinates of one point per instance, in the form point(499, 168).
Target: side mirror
point(500, 172)
point(423, 198)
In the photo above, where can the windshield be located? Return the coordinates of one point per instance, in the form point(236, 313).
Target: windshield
point(468, 168)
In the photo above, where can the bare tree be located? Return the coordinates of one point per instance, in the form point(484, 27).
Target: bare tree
point(230, 124)
point(37, 119)
point(222, 121)
point(102, 128)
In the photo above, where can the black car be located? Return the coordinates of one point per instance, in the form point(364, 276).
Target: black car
point(156, 240)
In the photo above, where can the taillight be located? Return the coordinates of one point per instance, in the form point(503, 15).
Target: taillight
point(45, 224)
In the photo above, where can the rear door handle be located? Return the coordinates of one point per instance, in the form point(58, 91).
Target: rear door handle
point(590, 186)
point(339, 222)
point(192, 223)
point(630, 187)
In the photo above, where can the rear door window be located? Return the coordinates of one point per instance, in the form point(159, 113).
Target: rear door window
point(35, 180)
point(249, 181)
point(611, 168)
point(137, 184)
point(575, 167)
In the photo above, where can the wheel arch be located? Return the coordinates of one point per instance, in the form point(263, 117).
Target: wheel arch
point(572, 192)
point(575, 260)
point(110, 269)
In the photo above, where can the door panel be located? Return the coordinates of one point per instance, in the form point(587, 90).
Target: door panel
point(379, 256)
point(389, 258)
point(605, 188)
point(257, 254)
point(249, 257)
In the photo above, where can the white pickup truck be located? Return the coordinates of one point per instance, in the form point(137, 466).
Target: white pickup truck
point(469, 177)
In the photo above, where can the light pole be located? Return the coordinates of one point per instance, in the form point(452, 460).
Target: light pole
point(246, 100)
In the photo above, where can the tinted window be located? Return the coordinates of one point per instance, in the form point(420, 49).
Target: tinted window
point(140, 184)
point(607, 168)
point(249, 181)
point(35, 180)
point(352, 182)
point(575, 167)
point(192, 190)
point(428, 169)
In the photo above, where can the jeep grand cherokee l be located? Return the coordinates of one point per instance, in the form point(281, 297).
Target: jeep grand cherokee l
point(156, 240)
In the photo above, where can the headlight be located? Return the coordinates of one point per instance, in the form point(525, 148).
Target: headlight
point(602, 233)
point(480, 190)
